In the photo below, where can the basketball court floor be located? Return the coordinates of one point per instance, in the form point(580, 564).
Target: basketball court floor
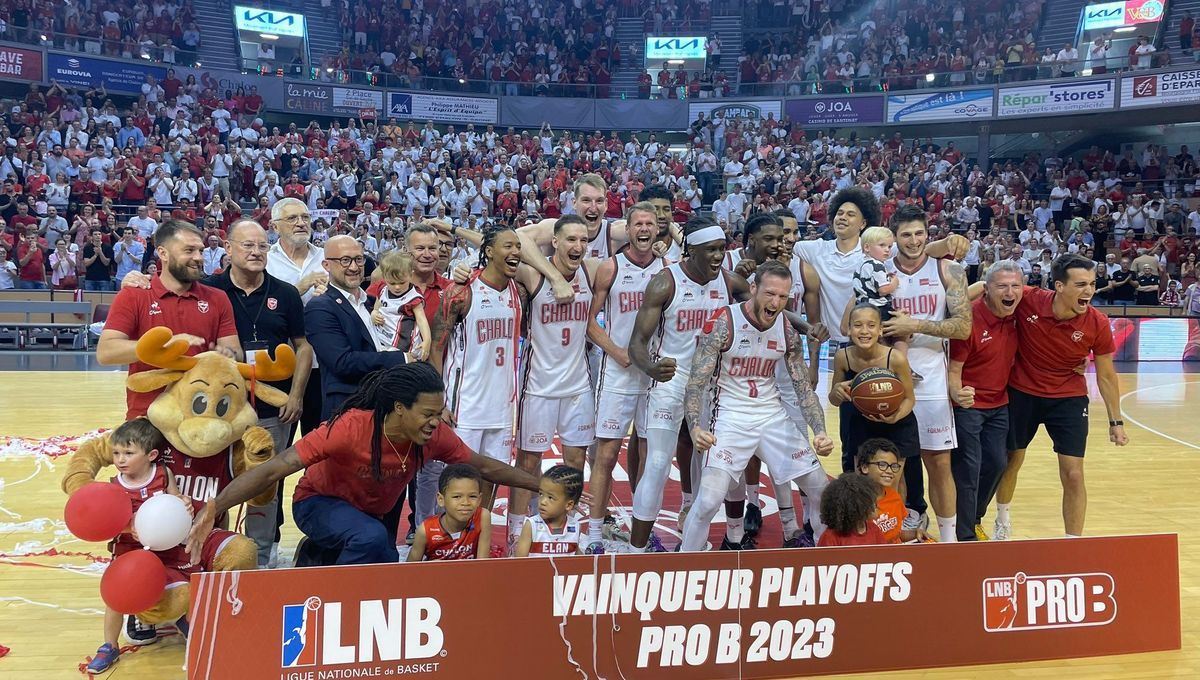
point(51, 613)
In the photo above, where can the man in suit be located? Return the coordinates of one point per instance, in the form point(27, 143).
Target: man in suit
point(338, 326)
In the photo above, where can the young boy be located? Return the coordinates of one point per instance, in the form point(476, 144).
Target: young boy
point(874, 282)
point(136, 446)
point(399, 313)
point(464, 530)
point(847, 508)
point(554, 531)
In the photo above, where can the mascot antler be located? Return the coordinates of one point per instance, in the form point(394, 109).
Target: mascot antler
point(266, 368)
point(155, 348)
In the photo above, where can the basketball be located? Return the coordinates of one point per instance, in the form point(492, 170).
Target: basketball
point(876, 391)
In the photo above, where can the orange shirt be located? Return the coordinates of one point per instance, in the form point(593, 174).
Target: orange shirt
point(891, 512)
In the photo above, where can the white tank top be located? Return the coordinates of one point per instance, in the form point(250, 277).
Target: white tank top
point(923, 295)
point(554, 359)
point(481, 360)
point(392, 308)
point(548, 543)
point(732, 257)
point(600, 248)
point(621, 307)
point(796, 303)
point(684, 317)
point(746, 387)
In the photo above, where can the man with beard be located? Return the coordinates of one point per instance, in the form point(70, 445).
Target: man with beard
point(338, 324)
point(620, 285)
point(474, 345)
point(978, 381)
point(931, 306)
point(738, 355)
point(1056, 331)
point(296, 260)
point(199, 315)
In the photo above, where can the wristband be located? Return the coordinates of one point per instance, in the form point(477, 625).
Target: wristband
point(1115, 423)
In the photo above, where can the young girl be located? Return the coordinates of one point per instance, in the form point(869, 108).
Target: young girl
point(399, 313)
point(847, 508)
point(875, 281)
point(865, 327)
point(554, 531)
point(464, 530)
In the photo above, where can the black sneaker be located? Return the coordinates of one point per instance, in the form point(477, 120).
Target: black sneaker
point(747, 543)
point(752, 520)
point(138, 633)
point(409, 538)
point(183, 627)
point(310, 554)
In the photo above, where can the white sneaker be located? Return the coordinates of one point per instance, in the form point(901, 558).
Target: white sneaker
point(914, 521)
point(273, 560)
point(1002, 531)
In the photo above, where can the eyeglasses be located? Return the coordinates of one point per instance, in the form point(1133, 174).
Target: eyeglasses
point(295, 218)
point(252, 246)
point(347, 261)
point(885, 467)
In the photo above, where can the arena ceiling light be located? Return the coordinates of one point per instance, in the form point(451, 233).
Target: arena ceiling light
point(1125, 29)
point(268, 36)
point(676, 61)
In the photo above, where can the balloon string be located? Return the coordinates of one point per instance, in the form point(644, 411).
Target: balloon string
point(231, 597)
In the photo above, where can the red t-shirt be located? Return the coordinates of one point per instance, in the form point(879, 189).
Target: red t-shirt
point(873, 536)
point(201, 311)
point(338, 462)
point(987, 355)
point(1051, 349)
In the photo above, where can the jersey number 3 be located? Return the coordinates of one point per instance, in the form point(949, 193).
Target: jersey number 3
point(499, 356)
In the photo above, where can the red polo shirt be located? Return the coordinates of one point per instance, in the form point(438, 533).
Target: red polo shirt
point(338, 462)
point(1051, 349)
point(202, 311)
point(987, 355)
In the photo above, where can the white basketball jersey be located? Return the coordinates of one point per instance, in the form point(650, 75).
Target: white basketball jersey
point(481, 360)
point(390, 307)
point(621, 307)
point(796, 303)
point(600, 248)
point(746, 388)
point(684, 317)
point(732, 257)
point(923, 296)
point(674, 252)
point(554, 359)
point(548, 543)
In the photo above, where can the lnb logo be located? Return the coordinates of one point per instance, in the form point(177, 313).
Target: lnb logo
point(1023, 602)
point(388, 630)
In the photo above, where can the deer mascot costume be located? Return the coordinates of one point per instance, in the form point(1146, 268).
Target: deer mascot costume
point(209, 421)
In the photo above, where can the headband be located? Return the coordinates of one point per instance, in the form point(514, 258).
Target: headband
point(705, 235)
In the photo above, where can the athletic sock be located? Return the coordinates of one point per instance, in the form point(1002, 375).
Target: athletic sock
point(1002, 513)
point(1073, 536)
point(595, 530)
point(752, 494)
point(947, 529)
point(515, 524)
point(787, 517)
point(687, 500)
point(734, 529)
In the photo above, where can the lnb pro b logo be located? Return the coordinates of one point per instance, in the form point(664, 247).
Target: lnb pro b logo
point(1023, 602)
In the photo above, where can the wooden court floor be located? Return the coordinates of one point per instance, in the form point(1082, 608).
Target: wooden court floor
point(50, 610)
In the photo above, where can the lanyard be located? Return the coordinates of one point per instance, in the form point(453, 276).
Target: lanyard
point(262, 305)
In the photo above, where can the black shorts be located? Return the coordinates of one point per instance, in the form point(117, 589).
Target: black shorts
point(1065, 418)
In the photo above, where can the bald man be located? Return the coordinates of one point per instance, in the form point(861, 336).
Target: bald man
point(338, 324)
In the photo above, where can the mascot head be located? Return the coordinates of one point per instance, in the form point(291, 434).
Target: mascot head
point(206, 406)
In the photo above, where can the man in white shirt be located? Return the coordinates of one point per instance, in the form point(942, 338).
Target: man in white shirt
point(800, 207)
point(737, 208)
point(186, 187)
point(1058, 197)
point(1042, 215)
point(212, 255)
point(1067, 60)
point(145, 225)
point(161, 186)
point(1144, 53)
point(721, 207)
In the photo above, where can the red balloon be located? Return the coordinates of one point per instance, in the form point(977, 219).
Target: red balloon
point(98, 511)
point(133, 582)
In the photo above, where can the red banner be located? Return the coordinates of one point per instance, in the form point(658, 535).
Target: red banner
point(17, 63)
point(752, 614)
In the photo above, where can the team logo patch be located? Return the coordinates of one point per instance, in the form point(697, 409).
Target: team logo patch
point(772, 344)
point(202, 306)
point(714, 294)
point(298, 639)
point(154, 309)
point(1023, 602)
point(1077, 336)
point(272, 303)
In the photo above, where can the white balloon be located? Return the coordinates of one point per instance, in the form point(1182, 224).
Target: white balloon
point(162, 522)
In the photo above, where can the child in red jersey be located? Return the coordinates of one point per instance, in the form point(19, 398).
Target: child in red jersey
point(464, 530)
point(136, 445)
point(847, 508)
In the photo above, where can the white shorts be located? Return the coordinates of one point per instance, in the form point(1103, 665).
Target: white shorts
point(664, 404)
point(573, 418)
point(495, 443)
point(616, 412)
point(935, 422)
point(778, 442)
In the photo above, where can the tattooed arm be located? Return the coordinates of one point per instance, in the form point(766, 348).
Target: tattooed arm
point(957, 326)
point(454, 306)
point(704, 364)
point(810, 406)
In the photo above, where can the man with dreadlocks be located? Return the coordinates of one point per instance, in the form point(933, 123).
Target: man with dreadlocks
point(358, 463)
point(475, 334)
